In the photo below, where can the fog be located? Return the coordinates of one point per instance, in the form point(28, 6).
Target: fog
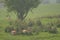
point(1, 5)
point(50, 1)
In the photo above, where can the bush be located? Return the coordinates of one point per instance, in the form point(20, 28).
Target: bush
point(30, 23)
point(58, 23)
point(9, 29)
point(53, 30)
point(50, 28)
point(20, 25)
point(38, 22)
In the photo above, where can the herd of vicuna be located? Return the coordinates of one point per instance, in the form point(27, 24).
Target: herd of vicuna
point(13, 31)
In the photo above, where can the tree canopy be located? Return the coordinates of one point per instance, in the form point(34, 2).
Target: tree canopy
point(21, 6)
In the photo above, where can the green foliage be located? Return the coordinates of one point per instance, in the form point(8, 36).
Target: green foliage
point(21, 6)
point(36, 26)
point(50, 28)
point(9, 29)
point(38, 22)
point(58, 23)
point(20, 25)
point(30, 23)
point(53, 30)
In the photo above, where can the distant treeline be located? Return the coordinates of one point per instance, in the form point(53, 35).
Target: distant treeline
point(50, 1)
point(58, 16)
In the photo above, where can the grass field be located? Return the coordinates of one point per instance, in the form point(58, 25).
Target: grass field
point(41, 36)
point(41, 10)
point(45, 10)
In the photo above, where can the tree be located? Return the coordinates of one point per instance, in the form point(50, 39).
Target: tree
point(21, 6)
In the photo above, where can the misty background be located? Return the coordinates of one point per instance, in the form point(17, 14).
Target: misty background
point(50, 1)
point(42, 2)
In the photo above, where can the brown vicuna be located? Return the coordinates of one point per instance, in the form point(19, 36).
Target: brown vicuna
point(27, 31)
point(13, 32)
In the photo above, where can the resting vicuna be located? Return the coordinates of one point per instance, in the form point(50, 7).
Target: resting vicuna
point(13, 32)
point(25, 31)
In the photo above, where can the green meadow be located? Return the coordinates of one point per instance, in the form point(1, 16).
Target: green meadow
point(41, 11)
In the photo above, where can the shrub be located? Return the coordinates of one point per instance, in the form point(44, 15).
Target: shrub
point(52, 29)
point(36, 29)
point(20, 25)
point(58, 23)
point(38, 22)
point(47, 27)
point(9, 29)
point(30, 23)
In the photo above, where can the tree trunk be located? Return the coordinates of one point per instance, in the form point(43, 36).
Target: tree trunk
point(20, 15)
